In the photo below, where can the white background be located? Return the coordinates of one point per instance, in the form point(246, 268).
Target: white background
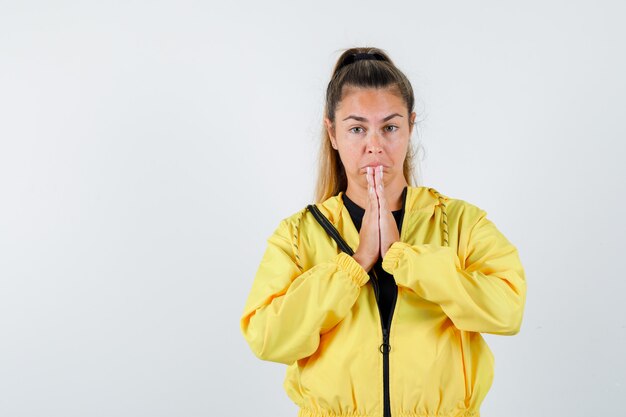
point(149, 148)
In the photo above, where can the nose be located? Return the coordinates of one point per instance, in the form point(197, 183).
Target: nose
point(374, 144)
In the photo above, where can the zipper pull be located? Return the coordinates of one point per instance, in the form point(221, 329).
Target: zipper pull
point(385, 347)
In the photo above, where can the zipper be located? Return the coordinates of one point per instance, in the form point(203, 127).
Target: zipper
point(385, 347)
point(376, 290)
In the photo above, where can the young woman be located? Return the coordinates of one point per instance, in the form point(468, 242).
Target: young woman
point(391, 325)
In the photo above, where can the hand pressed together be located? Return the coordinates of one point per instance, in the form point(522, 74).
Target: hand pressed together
point(378, 228)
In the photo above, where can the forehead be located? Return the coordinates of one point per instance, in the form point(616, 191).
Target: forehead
point(371, 101)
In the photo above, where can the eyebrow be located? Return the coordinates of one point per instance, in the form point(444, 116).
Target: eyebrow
point(363, 119)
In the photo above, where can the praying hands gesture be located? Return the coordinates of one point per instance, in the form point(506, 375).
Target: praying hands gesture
point(378, 228)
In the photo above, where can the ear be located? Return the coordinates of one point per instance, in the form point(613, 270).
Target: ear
point(331, 132)
point(412, 122)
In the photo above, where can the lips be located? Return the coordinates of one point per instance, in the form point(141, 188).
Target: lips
point(374, 164)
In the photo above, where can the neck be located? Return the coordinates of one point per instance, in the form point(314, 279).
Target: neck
point(393, 194)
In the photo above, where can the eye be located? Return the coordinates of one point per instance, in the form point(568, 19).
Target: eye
point(352, 130)
point(391, 128)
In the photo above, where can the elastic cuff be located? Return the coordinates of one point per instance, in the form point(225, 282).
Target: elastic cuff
point(348, 264)
point(393, 255)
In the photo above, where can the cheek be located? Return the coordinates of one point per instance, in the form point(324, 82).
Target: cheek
point(346, 150)
point(400, 147)
point(350, 158)
point(398, 154)
point(355, 157)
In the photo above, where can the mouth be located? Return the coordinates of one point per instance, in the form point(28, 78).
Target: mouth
point(374, 166)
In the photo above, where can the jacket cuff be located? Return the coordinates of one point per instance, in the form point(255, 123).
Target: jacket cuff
point(348, 264)
point(393, 255)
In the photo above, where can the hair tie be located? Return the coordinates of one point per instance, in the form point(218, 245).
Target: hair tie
point(362, 56)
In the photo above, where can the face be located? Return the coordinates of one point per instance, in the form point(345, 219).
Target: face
point(372, 127)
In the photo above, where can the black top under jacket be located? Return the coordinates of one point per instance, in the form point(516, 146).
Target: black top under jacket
point(388, 288)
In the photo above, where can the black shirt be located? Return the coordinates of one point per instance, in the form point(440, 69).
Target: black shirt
point(387, 285)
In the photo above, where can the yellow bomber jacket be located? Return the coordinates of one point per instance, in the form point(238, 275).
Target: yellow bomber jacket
point(313, 308)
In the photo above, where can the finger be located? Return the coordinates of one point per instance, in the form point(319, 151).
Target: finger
point(378, 176)
point(373, 199)
point(375, 178)
point(370, 183)
point(380, 188)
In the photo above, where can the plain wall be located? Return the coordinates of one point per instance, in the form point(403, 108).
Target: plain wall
point(149, 149)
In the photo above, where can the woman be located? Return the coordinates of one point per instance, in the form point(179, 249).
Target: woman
point(392, 329)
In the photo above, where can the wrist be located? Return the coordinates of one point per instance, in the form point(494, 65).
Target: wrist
point(365, 265)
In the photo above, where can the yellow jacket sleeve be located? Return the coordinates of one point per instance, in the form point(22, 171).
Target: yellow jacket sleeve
point(287, 310)
point(486, 294)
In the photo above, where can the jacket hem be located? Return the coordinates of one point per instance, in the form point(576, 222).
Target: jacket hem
point(305, 412)
point(460, 414)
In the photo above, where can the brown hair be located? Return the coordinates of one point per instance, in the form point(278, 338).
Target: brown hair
point(364, 73)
